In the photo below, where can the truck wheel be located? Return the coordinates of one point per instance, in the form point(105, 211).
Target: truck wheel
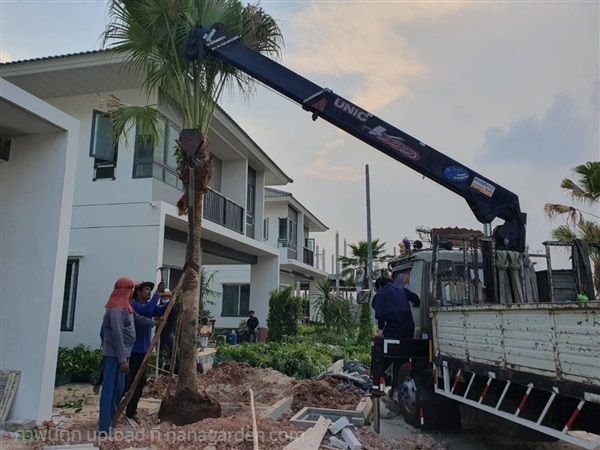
point(408, 395)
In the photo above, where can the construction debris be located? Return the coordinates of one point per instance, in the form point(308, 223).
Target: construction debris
point(276, 398)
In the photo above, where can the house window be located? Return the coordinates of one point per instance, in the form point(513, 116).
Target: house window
point(266, 229)
point(288, 230)
point(236, 300)
point(160, 160)
point(103, 147)
point(70, 295)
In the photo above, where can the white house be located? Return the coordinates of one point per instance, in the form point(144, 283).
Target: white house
point(125, 221)
point(287, 226)
point(38, 156)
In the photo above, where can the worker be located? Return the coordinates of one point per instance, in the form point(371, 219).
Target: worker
point(118, 337)
point(252, 327)
point(145, 304)
point(167, 336)
point(392, 309)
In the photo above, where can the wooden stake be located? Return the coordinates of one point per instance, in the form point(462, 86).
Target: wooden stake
point(142, 370)
point(254, 426)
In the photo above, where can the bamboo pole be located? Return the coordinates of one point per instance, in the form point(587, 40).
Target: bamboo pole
point(142, 370)
point(254, 426)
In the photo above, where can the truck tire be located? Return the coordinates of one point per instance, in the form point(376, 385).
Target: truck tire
point(410, 388)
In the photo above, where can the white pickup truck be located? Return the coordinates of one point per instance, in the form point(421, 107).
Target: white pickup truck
point(536, 363)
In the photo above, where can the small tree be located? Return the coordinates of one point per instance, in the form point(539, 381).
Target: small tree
point(335, 312)
point(206, 293)
point(284, 311)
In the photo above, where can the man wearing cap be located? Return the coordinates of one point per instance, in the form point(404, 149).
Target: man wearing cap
point(118, 337)
point(146, 305)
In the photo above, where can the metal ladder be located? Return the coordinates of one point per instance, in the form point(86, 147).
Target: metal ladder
point(580, 438)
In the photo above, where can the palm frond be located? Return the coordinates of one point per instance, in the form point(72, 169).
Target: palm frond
point(144, 119)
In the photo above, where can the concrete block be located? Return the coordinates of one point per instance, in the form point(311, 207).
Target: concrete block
point(280, 408)
point(340, 424)
point(350, 439)
point(338, 443)
point(365, 406)
point(336, 366)
point(308, 416)
point(18, 425)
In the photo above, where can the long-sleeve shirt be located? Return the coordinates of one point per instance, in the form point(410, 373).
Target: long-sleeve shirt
point(118, 332)
point(393, 313)
point(143, 333)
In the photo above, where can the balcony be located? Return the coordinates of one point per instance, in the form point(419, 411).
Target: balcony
point(308, 257)
point(223, 211)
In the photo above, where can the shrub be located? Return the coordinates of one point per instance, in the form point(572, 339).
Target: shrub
point(284, 311)
point(80, 362)
point(366, 324)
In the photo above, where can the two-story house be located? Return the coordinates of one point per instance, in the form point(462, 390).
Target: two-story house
point(124, 219)
point(287, 227)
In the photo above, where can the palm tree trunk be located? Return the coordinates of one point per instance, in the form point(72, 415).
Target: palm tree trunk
point(189, 312)
point(203, 170)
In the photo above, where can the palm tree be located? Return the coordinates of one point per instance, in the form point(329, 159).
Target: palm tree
point(152, 35)
point(360, 258)
point(586, 190)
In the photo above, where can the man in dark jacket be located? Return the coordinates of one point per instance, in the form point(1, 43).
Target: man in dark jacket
point(392, 309)
point(148, 307)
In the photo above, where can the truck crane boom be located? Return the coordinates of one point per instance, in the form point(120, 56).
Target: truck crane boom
point(488, 200)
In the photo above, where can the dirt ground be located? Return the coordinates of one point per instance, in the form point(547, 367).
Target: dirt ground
point(75, 415)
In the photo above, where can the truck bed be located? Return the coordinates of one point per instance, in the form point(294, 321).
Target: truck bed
point(560, 341)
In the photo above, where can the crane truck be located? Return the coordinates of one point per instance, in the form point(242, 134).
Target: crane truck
point(534, 364)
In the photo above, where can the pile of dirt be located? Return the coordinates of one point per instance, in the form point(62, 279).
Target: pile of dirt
point(230, 382)
point(320, 394)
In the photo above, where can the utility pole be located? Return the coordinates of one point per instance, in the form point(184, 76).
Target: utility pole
point(344, 247)
point(337, 263)
point(369, 238)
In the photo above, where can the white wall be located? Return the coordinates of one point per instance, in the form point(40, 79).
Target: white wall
point(228, 274)
point(233, 186)
point(274, 211)
point(36, 193)
point(124, 189)
point(265, 278)
point(112, 241)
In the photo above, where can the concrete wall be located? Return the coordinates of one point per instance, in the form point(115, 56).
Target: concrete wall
point(228, 274)
point(233, 186)
point(36, 193)
point(274, 211)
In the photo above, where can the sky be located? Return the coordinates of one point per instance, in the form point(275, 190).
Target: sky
point(510, 89)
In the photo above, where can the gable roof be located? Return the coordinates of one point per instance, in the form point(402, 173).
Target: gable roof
point(278, 196)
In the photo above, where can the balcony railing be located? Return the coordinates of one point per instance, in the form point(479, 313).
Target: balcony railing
point(223, 211)
point(309, 256)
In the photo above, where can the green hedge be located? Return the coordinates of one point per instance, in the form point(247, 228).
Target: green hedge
point(304, 356)
point(80, 362)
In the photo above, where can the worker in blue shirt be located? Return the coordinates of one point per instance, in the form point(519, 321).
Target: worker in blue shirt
point(145, 304)
point(393, 311)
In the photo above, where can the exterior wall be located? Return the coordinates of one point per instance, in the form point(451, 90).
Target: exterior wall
point(36, 193)
point(124, 189)
point(112, 241)
point(274, 211)
point(265, 276)
point(234, 175)
point(229, 274)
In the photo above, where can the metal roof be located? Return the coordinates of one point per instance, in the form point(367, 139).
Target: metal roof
point(271, 192)
point(43, 58)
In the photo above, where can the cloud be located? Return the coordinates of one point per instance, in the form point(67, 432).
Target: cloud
point(559, 137)
point(347, 40)
point(5, 56)
point(322, 166)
